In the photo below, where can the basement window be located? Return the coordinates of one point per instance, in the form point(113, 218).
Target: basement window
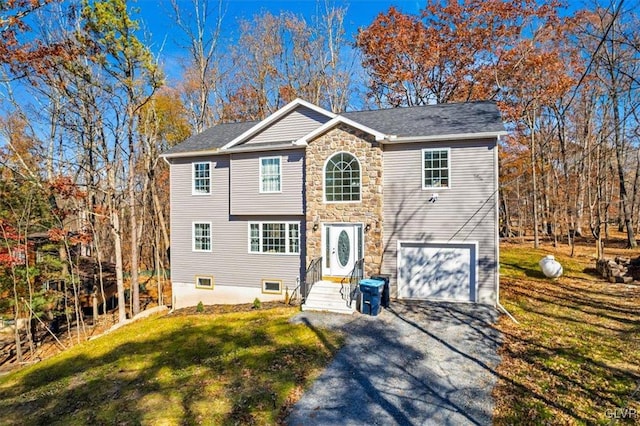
point(272, 286)
point(204, 282)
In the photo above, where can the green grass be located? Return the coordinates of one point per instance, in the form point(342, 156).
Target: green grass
point(235, 368)
point(522, 262)
point(575, 356)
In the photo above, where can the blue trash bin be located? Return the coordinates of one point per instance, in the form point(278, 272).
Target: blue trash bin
point(371, 294)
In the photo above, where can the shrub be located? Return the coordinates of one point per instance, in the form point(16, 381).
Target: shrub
point(200, 307)
point(256, 303)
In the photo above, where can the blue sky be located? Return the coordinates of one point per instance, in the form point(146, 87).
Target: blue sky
point(158, 22)
point(156, 13)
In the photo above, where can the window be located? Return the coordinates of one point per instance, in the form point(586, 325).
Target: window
point(270, 174)
point(435, 168)
point(342, 178)
point(272, 286)
point(201, 178)
point(271, 237)
point(202, 236)
point(204, 282)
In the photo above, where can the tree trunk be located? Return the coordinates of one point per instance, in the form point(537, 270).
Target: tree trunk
point(536, 236)
point(160, 216)
point(16, 318)
point(133, 221)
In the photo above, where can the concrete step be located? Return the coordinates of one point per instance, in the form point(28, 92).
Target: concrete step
point(326, 296)
point(325, 307)
point(326, 301)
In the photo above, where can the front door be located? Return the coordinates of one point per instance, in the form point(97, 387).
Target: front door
point(342, 248)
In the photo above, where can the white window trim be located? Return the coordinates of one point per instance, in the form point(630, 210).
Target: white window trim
point(204, 287)
point(193, 237)
point(193, 178)
point(287, 237)
point(324, 179)
point(260, 174)
point(432, 188)
point(265, 291)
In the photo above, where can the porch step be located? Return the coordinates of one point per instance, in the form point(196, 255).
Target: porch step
point(326, 296)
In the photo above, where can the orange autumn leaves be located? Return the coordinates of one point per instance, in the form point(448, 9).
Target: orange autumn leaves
point(456, 51)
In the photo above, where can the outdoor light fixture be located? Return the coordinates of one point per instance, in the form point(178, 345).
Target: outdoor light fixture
point(367, 228)
point(434, 198)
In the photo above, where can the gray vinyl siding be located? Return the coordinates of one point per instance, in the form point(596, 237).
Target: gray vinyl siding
point(463, 212)
point(229, 261)
point(291, 127)
point(246, 198)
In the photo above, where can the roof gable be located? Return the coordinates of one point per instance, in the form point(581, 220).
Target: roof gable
point(334, 122)
point(276, 116)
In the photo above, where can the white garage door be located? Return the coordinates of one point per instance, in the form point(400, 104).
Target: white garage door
point(437, 271)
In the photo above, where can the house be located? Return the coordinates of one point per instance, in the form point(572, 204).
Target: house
point(409, 192)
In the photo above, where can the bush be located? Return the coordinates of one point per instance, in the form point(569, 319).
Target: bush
point(256, 303)
point(200, 307)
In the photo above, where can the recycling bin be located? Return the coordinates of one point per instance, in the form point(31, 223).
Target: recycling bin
point(371, 294)
point(385, 301)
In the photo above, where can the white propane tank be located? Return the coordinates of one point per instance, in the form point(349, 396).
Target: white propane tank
point(550, 267)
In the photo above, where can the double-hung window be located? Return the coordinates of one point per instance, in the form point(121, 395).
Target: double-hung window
point(270, 174)
point(202, 236)
point(435, 168)
point(202, 178)
point(274, 237)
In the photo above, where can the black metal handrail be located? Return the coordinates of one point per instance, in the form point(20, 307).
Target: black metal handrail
point(312, 275)
point(355, 276)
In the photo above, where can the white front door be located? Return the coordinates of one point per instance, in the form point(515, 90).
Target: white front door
point(342, 248)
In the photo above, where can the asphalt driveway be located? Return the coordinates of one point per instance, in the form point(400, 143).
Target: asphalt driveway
point(414, 364)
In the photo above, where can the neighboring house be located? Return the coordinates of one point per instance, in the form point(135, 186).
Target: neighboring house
point(411, 191)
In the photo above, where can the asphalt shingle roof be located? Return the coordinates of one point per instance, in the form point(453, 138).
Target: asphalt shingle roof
point(432, 120)
point(213, 138)
point(428, 120)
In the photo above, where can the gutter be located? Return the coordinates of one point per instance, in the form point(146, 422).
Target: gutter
point(454, 136)
point(258, 148)
point(189, 154)
point(251, 148)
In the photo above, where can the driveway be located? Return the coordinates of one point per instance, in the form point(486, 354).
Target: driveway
point(416, 363)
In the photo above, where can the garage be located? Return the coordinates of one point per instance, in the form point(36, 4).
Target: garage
point(443, 271)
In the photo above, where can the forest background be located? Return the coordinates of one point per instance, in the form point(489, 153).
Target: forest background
point(89, 99)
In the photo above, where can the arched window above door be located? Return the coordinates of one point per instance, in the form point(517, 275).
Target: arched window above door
point(342, 178)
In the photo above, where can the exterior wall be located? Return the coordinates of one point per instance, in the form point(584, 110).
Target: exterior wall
point(229, 263)
point(368, 211)
point(245, 184)
point(291, 127)
point(464, 212)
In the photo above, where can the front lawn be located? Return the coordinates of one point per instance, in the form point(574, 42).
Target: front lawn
point(232, 368)
point(575, 356)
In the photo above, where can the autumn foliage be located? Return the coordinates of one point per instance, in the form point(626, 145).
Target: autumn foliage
point(452, 51)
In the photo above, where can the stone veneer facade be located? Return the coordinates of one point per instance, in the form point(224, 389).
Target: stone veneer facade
point(368, 211)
